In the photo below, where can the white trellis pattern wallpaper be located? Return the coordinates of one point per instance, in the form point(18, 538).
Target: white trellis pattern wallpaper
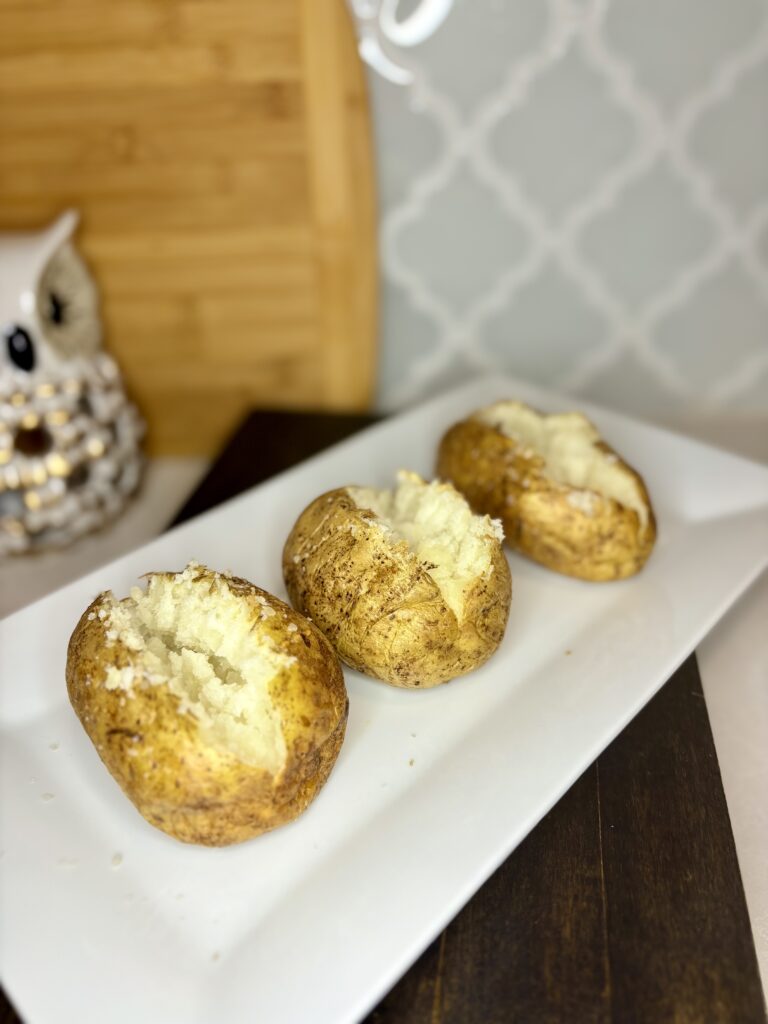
point(576, 191)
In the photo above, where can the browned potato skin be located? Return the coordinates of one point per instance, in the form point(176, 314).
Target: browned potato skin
point(503, 480)
point(194, 792)
point(381, 610)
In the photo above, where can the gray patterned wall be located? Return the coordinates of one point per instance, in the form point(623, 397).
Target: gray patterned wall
point(577, 191)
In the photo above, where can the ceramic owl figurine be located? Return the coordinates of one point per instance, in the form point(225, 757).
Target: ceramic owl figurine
point(69, 437)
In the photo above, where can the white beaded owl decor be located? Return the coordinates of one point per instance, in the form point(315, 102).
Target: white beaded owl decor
point(69, 437)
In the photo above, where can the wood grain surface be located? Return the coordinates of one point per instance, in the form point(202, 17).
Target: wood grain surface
point(219, 151)
point(624, 904)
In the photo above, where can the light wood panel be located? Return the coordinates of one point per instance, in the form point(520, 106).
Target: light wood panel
point(219, 152)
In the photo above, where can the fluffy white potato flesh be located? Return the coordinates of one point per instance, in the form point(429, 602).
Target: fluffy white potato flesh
point(567, 444)
point(434, 520)
point(204, 649)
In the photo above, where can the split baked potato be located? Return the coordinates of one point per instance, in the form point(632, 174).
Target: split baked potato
point(217, 708)
point(565, 498)
point(408, 585)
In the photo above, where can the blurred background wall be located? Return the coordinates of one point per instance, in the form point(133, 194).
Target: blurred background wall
point(576, 191)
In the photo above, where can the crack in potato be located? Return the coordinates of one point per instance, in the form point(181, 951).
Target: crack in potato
point(191, 642)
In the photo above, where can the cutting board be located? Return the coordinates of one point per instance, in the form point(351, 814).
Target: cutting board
point(219, 152)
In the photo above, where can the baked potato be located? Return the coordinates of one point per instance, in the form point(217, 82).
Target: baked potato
point(408, 585)
point(565, 498)
point(217, 708)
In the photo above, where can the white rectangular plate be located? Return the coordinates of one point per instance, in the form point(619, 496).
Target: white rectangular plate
point(432, 789)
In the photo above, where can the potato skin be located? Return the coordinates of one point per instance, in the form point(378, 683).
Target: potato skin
point(381, 610)
point(502, 479)
point(193, 791)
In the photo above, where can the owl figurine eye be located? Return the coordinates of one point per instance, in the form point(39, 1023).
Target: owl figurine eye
point(57, 309)
point(21, 351)
point(67, 304)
